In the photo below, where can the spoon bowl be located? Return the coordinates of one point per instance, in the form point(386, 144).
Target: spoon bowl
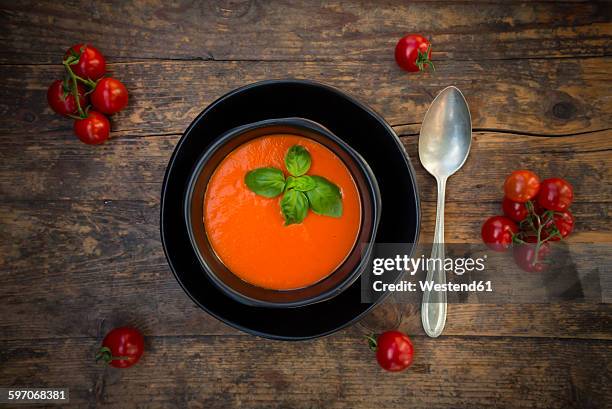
point(446, 134)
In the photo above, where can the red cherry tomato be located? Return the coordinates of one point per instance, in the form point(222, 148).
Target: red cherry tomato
point(61, 99)
point(394, 351)
point(413, 53)
point(109, 96)
point(563, 221)
point(514, 210)
point(91, 63)
point(525, 256)
point(521, 185)
point(497, 232)
point(555, 194)
point(122, 347)
point(93, 130)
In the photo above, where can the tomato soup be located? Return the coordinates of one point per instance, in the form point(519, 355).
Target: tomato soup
point(248, 232)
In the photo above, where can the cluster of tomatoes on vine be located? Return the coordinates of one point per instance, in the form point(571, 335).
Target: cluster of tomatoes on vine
point(536, 213)
point(86, 95)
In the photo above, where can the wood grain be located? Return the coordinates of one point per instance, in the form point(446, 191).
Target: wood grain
point(80, 250)
point(544, 97)
point(335, 372)
point(38, 32)
point(61, 168)
point(70, 269)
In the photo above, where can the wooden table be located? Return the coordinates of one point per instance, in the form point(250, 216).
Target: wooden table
point(81, 253)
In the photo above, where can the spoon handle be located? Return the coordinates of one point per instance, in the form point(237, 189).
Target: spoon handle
point(433, 308)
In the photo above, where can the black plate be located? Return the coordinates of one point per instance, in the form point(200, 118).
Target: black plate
point(356, 124)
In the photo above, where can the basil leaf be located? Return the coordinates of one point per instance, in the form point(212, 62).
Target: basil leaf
point(290, 182)
point(267, 182)
point(297, 160)
point(294, 206)
point(325, 199)
point(301, 183)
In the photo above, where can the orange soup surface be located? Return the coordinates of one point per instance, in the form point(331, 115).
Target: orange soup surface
point(247, 231)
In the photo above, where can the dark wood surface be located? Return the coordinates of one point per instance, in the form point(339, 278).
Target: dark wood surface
point(80, 249)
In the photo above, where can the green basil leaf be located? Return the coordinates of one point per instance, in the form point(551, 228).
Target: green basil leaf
point(290, 182)
point(294, 206)
point(297, 160)
point(325, 199)
point(301, 183)
point(304, 183)
point(268, 182)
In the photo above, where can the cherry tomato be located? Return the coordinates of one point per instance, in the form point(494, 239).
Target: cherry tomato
point(91, 63)
point(109, 96)
point(555, 194)
point(514, 210)
point(94, 129)
point(563, 221)
point(394, 350)
point(413, 53)
point(61, 99)
point(525, 256)
point(122, 347)
point(521, 185)
point(497, 232)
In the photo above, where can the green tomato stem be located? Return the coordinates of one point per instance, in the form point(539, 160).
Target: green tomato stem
point(88, 82)
point(372, 343)
point(106, 355)
point(423, 60)
point(539, 243)
point(75, 89)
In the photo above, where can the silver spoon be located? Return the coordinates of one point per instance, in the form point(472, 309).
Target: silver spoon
point(444, 144)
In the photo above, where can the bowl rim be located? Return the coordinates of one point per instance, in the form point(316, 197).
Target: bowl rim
point(174, 268)
point(365, 247)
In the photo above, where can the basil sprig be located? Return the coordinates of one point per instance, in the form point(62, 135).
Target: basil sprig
point(301, 191)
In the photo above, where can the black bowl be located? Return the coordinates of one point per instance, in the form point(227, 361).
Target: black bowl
point(330, 286)
point(353, 122)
